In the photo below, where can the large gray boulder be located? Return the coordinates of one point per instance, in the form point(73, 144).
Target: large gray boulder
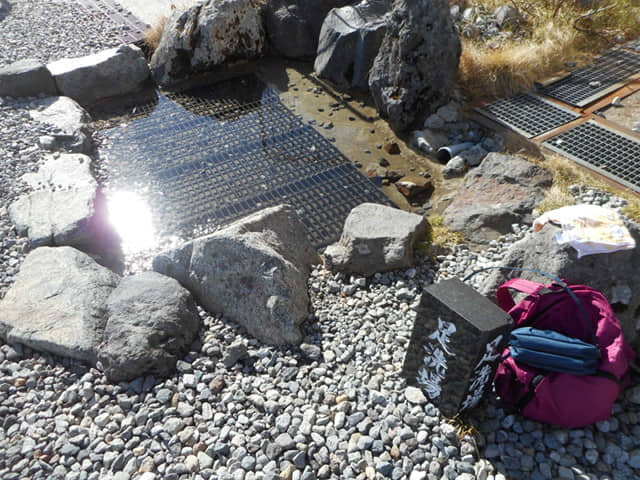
point(57, 303)
point(152, 321)
point(616, 275)
point(26, 78)
point(205, 36)
point(503, 190)
point(376, 238)
point(293, 26)
point(415, 69)
point(110, 73)
point(66, 209)
point(69, 118)
point(255, 271)
point(349, 41)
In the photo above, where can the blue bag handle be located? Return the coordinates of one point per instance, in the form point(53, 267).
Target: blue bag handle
point(557, 280)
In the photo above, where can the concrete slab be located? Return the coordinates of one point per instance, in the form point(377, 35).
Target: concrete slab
point(151, 11)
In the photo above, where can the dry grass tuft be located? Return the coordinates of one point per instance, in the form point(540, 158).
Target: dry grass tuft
point(555, 32)
point(154, 34)
point(438, 234)
point(567, 173)
point(513, 66)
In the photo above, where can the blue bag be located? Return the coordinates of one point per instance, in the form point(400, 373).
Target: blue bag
point(553, 351)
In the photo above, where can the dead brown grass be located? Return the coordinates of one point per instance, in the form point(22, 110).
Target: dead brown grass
point(567, 173)
point(154, 34)
point(439, 234)
point(555, 32)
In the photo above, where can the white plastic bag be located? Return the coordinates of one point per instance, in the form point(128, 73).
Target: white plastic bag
point(589, 229)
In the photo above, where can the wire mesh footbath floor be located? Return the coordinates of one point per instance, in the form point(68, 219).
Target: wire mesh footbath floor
point(613, 154)
point(210, 155)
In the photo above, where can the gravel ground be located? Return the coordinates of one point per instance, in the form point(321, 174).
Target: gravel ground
point(334, 408)
point(52, 29)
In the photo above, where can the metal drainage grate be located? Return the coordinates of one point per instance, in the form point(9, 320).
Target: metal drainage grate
point(212, 155)
point(527, 114)
point(610, 153)
point(633, 45)
point(590, 83)
point(130, 28)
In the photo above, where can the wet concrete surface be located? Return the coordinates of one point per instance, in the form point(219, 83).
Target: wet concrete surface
point(350, 120)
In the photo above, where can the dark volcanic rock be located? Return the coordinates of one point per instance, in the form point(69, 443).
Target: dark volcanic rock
point(415, 69)
point(349, 42)
point(293, 26)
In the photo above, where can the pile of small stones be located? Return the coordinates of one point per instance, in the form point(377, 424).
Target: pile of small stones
point(477, 22)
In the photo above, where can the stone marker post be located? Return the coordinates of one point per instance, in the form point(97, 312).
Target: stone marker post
point(455, 347)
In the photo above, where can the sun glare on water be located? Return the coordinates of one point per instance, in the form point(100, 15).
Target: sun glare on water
point(131, 218)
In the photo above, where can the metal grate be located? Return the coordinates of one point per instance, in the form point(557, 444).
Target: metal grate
point(211, 155)
point(590, 83)
point(527, 114)
point(633, 45)
point(610, 153)
point(131, 29)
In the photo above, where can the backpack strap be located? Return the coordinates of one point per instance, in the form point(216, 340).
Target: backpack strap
point(505, 300)
point(605, 374)
point(524, 401)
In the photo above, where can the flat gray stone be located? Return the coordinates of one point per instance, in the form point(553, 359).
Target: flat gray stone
point(66, 209)
point(70, 119)
point(63, 113)
point(26, 78)
point(68, 170)
point(109, 73)
point(57, 303)
point(54, 218)
point(263, 259)
point(502, 191)
point(376, 238)
point(151, 322)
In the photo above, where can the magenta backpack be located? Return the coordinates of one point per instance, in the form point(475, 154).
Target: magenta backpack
point(561, 398)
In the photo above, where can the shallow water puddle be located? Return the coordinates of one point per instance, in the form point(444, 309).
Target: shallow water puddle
point(193, 161)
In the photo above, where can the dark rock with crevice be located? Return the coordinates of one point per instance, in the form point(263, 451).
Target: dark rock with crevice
point(349, 41)
point(293, 26)
point(415, 70)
